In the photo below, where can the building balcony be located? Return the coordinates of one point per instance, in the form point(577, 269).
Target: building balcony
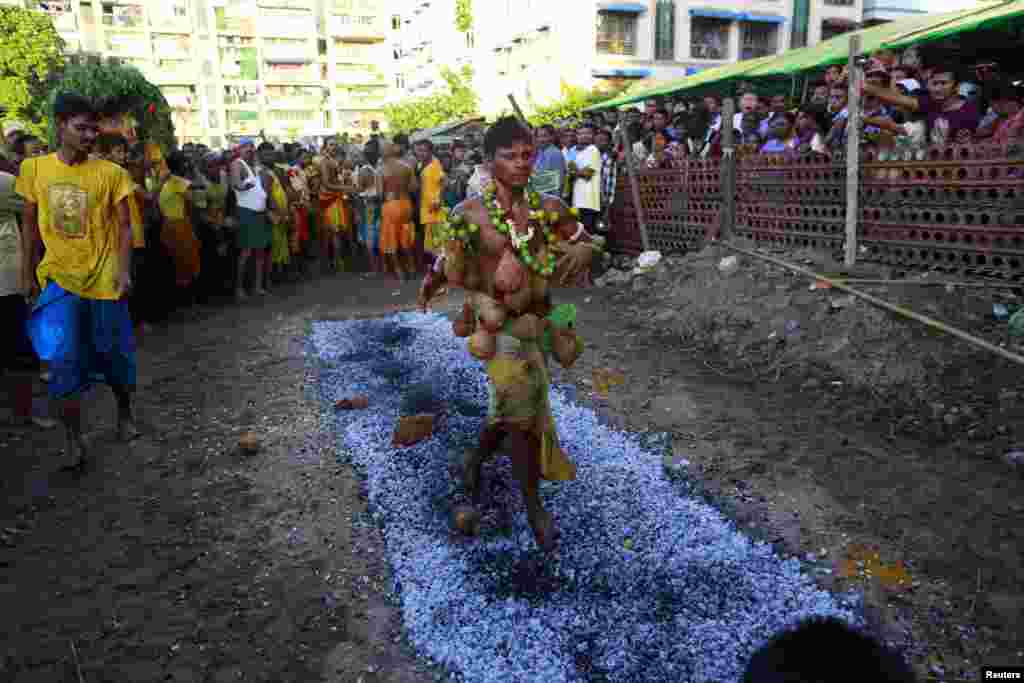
point(170, 23)
point(284, 4)
point(365, 75)
point(138, 48)
point(233, 24)
point(246, 127)
point(161, 74)
point(287, 102)
point(297, 53)
point(124, 21)
point(241, 103)
point(303, 74)
point(356, 28)
point(289, 25)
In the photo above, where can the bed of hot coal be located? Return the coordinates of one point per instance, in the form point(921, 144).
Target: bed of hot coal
point(649, 583)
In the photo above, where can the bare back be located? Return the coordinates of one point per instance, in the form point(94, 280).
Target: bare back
point(397, 180)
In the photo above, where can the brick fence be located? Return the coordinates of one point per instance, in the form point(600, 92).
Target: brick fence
point(959, 210)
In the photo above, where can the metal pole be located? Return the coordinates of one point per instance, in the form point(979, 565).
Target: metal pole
point(894, 308)
point(728, 169)
point(635, 188)
point(853, 152)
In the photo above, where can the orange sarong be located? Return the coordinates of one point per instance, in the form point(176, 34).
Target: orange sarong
point(397, 231)
point(301, 225)
point(335, 212)
point(180, 241)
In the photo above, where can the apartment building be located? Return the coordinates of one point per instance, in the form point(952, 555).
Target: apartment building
point(531, 48)
point(425, 41)
point(237, 67)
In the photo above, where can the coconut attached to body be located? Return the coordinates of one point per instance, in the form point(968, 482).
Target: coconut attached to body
point(483, 345)
point(510, 275)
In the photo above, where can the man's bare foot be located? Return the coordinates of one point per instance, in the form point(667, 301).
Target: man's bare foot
point(127, 431)
point(471, 475)
point(544, 531)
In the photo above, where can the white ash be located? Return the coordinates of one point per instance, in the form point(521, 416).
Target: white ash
point(690, 601)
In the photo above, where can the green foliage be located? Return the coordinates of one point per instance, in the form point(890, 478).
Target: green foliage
point(457, 101)
point(572, 104)
point(116, 88)
point(31, 51)
point(464, 15)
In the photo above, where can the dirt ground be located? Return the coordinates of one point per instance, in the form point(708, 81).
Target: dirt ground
point(177, 559)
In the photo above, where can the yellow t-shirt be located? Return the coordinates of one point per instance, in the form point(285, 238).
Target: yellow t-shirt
point(138, 227)
point(432, 184)
point(78, 221)
point(172, 198)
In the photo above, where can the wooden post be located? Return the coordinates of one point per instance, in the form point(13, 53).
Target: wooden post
point(519, 112)
point(853, 152)
point(728, 169)
point(634, 185)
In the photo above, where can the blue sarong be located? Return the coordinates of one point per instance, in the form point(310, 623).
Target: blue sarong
point(83, 340)
point(369, 226)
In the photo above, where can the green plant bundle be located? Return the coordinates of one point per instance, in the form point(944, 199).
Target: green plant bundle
point(118, 89)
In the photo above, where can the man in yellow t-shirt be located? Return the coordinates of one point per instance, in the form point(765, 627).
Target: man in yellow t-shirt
point(80, 325)
point(431, 186)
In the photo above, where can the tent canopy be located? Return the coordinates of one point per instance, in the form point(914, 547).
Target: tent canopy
point(893, 35)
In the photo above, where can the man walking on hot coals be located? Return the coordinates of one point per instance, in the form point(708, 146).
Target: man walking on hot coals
point(79, 209)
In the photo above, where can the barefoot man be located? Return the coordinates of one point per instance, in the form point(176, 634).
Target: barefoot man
point(499, 250)
point(397, 231)
point(79, 208)
point(333, 205)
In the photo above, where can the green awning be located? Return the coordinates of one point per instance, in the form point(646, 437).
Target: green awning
point(722, 73)
point(894, 35)
point(989, 17)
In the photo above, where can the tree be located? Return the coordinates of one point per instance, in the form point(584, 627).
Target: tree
point(31, 52)
point(572, 104)
point(457, 101)
point(464, 16)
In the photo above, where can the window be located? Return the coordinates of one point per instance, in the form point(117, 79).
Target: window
point(400, 81)
point(840, 3)
point(665, 31)
point(396, 23)
point(470, 40)
point(616, 33)
point(758, 40)
point(709, 38)
point(830, 28)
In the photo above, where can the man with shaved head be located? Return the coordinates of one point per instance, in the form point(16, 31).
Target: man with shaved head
point(397, 231)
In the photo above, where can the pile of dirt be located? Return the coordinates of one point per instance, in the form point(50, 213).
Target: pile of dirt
point(762, 322)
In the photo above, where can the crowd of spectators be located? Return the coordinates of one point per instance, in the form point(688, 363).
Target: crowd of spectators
point(905, 108)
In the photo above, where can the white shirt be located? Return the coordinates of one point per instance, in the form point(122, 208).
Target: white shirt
point(586, 194)
point(255, 198)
